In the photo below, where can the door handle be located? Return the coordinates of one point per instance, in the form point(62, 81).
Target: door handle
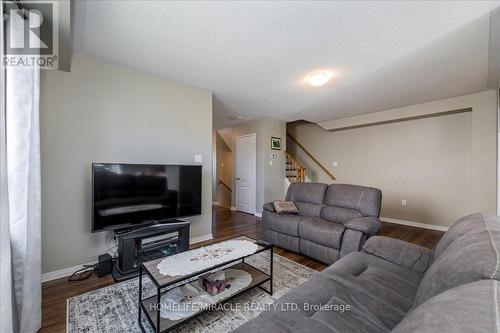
point(238, 178)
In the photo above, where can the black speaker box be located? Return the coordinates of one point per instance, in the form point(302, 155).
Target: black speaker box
point(105, 265)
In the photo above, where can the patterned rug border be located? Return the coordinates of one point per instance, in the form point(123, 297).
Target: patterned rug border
point(277, 258)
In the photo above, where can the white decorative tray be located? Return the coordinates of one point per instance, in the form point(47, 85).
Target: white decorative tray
point(192, 261)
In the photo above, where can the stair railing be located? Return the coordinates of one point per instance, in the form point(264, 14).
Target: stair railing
point(298, 168)
point(224, 184)
point(311, 156)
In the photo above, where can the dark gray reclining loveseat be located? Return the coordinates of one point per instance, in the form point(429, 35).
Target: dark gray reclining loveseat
point(333, 220)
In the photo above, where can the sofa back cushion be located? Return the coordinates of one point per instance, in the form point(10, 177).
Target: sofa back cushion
point(472, 257)
point(344, 202)
point(339, 214)
point(308, 197)
point(464, 225)
point(472, 307)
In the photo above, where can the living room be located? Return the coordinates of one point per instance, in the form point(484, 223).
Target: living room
point(249, 166)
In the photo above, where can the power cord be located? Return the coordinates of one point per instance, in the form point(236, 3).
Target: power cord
point(83, 273)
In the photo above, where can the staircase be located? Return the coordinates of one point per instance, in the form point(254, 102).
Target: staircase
point(295, 172)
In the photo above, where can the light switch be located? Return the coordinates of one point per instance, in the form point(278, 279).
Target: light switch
point(271, 163)
point(403, 202)
point(334, 164)
point(198, 158)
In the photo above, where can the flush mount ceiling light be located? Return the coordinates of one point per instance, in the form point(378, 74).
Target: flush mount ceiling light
point(319, 78)
point(236, 117)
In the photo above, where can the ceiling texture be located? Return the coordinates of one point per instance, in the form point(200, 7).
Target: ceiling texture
point(254, 56)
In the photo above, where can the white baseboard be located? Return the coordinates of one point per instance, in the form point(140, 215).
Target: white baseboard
point(199, 239)
point(70, 270)
point(233, 208)
point(258, 214)
point(414, 224)
point(63, 272)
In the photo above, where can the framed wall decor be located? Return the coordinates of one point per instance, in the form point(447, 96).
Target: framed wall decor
point(275, 143)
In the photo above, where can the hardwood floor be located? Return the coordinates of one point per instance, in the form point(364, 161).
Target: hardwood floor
point(226, 224)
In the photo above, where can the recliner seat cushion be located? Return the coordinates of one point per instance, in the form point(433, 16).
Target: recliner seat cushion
point(321, 231)
point(323, 291)
point(378, 293)
point(388, 277)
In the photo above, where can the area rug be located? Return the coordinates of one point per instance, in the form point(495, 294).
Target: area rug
point(113, 309)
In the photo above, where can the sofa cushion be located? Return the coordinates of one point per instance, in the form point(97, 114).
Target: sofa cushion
point(283, 323)
point(339, 214)
point(306, 192)
point(321, 231)
point(470, 308)
point(378, 293)
point(308, 209)
point(471, 257)
point(366, 200)
point(287, 224)
point(391, 279)
point(332, 296)
point(470, 223)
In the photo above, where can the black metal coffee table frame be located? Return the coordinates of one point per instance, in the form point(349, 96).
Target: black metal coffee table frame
point(152, 314)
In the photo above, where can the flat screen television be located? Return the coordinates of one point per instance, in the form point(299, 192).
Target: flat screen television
point(128, 195)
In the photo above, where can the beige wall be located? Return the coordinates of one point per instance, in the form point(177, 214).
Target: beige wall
point(270, 178)
point(103, 112)
point(445, 166)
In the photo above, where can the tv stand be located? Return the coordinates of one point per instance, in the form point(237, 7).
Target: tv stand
point(135, 246)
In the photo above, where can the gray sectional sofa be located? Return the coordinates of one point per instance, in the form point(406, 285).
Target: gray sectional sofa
point(333, 220)
point(400, 287)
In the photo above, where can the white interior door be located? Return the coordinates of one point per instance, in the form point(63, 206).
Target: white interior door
point(246, 161)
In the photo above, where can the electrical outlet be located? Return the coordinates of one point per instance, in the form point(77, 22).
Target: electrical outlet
point(198, 158)
point(334, 164)
point(403, 202)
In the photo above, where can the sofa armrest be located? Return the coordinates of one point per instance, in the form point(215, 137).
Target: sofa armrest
point(367, 225)
point(410, 256)
point(269, 206)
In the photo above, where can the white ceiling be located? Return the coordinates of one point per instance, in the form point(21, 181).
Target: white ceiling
point(254, 55)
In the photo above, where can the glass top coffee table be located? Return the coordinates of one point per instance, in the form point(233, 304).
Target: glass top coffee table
point(180, 269)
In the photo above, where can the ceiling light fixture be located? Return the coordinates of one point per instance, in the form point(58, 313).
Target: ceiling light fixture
point(236, 117)
point(319, 78)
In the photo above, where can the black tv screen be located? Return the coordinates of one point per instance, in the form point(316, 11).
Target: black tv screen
point(126, 195)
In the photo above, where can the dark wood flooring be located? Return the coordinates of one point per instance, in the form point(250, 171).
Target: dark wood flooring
point(226, 224)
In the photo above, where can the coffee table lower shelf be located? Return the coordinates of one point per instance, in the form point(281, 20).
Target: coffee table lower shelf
point(148, 305)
